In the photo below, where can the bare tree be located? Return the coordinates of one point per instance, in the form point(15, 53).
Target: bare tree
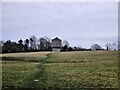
point(44, 43)
point(109, 46)
point(114, 46)
point(65, 45)
point(1, 43)
point(33, 41)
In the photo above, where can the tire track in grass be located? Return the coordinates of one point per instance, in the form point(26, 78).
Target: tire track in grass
point(38, 78)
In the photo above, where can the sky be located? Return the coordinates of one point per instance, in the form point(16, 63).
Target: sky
point(80, 23)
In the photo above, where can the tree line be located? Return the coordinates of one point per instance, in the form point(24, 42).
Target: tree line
point(33, 44)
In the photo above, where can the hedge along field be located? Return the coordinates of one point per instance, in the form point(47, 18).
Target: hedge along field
point(85, 69)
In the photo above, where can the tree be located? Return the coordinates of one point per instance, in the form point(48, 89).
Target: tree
point(1, 45)
point(44, 43)
point(114, 46)
point(7, 46)
point(48, 43)
point(65, 45)
point(96, 47)
point(107, 46)
point(26, 43)
point(33, 42)
point(75, 48)
point(11, 46)
point(20, 41)
point(70, 49)
point(20, 45)
point(79, 48)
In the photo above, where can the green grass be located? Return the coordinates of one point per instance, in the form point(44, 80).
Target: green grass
point(14, 73)
point(83, 75)
point(85, 56)
point(87, 69)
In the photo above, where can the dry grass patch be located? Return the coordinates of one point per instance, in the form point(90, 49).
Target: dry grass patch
point(28, 54)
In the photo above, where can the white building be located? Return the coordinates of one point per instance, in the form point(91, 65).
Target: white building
point(56, 44)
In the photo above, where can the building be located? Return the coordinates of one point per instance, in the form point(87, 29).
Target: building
point(56, 44)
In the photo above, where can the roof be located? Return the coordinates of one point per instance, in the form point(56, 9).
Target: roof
point(56, 38)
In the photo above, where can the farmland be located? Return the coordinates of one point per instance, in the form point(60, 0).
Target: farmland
point(48, 70)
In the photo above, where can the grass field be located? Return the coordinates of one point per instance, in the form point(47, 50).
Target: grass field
point(47, 70)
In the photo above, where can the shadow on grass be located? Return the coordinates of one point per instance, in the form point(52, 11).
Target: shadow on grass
point(22, 59)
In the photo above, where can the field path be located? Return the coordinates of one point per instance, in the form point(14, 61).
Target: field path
point(39, 77)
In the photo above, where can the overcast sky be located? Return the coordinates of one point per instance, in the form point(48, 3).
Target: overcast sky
point(82, 24)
